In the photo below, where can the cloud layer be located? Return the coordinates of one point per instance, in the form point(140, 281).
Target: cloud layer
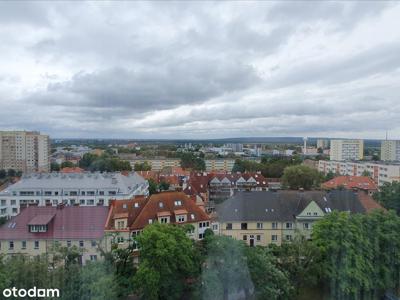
point(200, 70)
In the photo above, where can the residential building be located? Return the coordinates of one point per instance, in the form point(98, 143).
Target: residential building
point(157, 164)
point(344, 150)
point(225, 165)
point(323, 143)
point(380, 172)
point(128, 218)
point(38, 230)
point(363, 183)
point(84, 189)
point(390, 150)
point(269, 217)
point(26, 151)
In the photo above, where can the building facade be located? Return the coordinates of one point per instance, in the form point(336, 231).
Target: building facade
point(26, 151)
point(380, 172)
point(323, 143)
point(344, 150)
point(42, 230)
point(390, 150)
point(127, 218)
point(82, 189)
point(268, 217)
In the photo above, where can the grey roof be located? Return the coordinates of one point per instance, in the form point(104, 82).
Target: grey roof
point(284, 205)
point(38, 181)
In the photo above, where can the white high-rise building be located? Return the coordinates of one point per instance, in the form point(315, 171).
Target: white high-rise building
point(26, 151)
point(390, 150)
point(323, 143)
point(343, 150)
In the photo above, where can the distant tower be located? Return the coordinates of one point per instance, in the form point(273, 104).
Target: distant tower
point(305, 145)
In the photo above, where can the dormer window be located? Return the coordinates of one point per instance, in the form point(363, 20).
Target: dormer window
point(124, 206)
point(181, 218)
point(192, 216)
point(161, 205)
point(136, 205)
point(37, 228)
point(178, 203)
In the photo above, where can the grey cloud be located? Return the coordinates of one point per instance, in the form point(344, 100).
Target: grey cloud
point(180, 82)
point(381, 59)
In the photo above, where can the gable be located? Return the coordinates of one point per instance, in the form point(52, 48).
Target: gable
point(312, 210)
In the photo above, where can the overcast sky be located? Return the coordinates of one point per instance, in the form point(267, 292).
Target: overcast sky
point(200, 70)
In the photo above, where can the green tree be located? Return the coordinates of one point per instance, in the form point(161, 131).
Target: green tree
point(269, 281)
point(54, 167)
point(168, 259)
point(3, 174)
point(153, 187)
point(366, 173)
point(163, 186)
point(389, 196)
point(301, 176)
point(86, 160)
point(225, 268)
point(67, 164)
point(11, 173)
point(190, 161)
point(144, 166)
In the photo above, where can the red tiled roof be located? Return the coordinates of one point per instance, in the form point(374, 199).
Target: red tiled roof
point(70, 222)
point(129, 209)
point(72, 170)
point(367, 202)
point(41, 219)
point(153, 207)
point(351, 182)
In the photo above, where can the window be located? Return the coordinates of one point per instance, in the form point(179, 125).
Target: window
point(201, 236)
point(150, 221)
point(178, 203)
point(215, 227)
point(181, 219)
point(11, 245)
point(82, 202)
point(161, 205)
point(23, 245)
point(192, 216)
point(81, 244)
point(13, 202)
point(120, 224)
point(243, 226)
point(101, 193)
point(315, 214)
point(288, 225)
point(90, 202)
point(93, 257)
point(120, 240)
point(136, 205)
point(101, 202)
point(274, 238)
point(306, 226)
point(260, 225)
point(164, 220)
point(245, 237)
point(274, 225)
point(69, 244)
point(258, 237)
point(228, 226)
point(94, 244)
point(36, 245)
point(288, 237)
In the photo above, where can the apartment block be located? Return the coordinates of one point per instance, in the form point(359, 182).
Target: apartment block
point(225, 165)
point(343, 150)
point(26, 151)
point(157, 164)
point(323, 143)
point(267, 217)
point(380, 172)
point(390, 150)
point(72, 189)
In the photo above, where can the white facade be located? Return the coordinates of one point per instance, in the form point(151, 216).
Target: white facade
point(343, 150)
point(86, 189)
point(390, 150)
point(380, 172)
point(24, 151)
point(322, 143)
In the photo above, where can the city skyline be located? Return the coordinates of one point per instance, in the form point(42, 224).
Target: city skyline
point(200, 70)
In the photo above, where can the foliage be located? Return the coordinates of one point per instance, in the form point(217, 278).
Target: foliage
point(361, 253)
point(153, 187)
point(67, 164)
point(103, 163)
point(302, 260)
point(301, 176)
point(190, 161)
point(366, 173)
point(163, 186)
point(54, 167)
point(225, 269)
point(389, 196)
point(270, 166)
point(3, 220)
point(168, 259)
point(144, 166)
point(3, 174)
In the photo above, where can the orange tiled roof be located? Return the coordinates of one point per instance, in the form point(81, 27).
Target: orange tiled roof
point(168, 200)
point(129, 209)
point(351, 182)
point(367, 202)
point(72, 170)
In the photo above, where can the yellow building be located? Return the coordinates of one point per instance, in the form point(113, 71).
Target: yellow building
point(262, 218)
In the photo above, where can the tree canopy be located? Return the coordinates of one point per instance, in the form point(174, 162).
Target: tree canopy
point(301, 176)
point(389, 196)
